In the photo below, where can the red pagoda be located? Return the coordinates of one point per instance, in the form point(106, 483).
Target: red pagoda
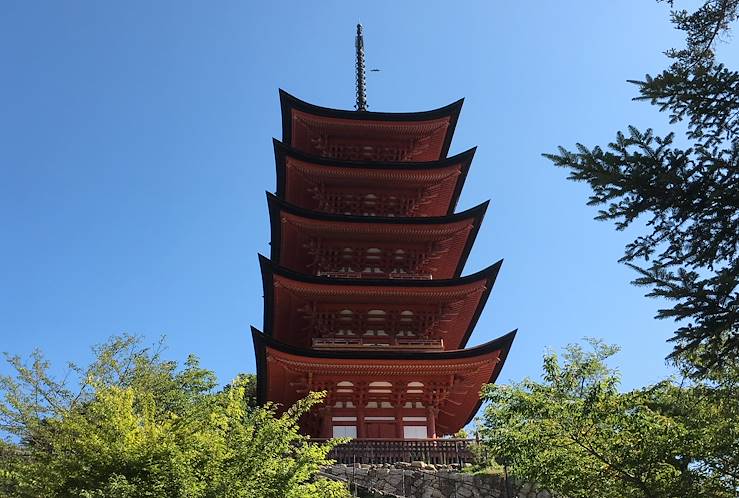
point(364, 297)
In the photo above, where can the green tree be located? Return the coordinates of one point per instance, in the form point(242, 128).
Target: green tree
point(138, 426)
point(575, 434)
point(685, 191)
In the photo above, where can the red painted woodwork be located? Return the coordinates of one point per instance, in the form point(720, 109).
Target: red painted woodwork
point(440, 387)
point(371, 247)
point(368, 136)
point(385, 141)
point(370, 189)
point(363, 294)
point(300, 309)
point(380, 430)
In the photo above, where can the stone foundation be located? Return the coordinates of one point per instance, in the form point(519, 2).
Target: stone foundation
point(420, 480)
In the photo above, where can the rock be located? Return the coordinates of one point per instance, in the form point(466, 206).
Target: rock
point(464, 492)
point(418, 479)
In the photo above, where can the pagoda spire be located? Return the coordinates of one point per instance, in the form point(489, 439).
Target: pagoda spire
point(361, 104)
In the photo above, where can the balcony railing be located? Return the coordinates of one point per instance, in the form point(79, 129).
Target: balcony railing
point(360, 275)
point(374, 342)
point(434, 451)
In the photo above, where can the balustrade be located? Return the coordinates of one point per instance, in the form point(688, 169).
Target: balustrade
point(381, 325)
point(380, 342)
point(375, 275)
point(375, 260)
point(368, 204)
point(434, 451)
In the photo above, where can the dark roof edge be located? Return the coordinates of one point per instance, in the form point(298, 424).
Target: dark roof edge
point(282, 150)
point(268, 295)
point(464, 159)
point(502, 343)
point(477, 213)
point(275, 237)
point(260, 353)
point(471, 237)
point(288, 101)
point(269, 267)
point(494, 375)
point(461, 179)
point(492, 277)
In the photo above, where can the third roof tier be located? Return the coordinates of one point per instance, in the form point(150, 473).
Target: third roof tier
point(372, 247)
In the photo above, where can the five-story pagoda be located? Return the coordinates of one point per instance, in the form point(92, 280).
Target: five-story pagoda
point(363, 293)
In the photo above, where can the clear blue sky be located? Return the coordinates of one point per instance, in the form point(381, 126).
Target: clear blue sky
point(135, 149)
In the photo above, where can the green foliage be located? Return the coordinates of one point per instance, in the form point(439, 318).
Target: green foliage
point(577, 435)
point(688, 196)
point(574, 432)
point(461, 434)
point(137, 426)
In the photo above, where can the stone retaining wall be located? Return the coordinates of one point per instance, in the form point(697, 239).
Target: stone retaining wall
point(420, 480)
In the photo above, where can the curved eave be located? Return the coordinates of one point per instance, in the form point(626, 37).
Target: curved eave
point(289, 102)
point(494, 375)
point(277, 206)
point(283, 151)
point(262, 342)
point(477, 213)
point(269, 269)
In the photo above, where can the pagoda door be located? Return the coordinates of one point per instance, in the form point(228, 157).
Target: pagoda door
point(380, 430)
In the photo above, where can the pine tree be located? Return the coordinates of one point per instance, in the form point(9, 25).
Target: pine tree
point(687, 195)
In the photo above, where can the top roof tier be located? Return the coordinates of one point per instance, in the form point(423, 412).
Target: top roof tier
point(368, 136)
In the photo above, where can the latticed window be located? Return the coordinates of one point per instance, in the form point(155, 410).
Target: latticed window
point(371, 260)
point(364, 152)
point(382, 325)
point(369, 203)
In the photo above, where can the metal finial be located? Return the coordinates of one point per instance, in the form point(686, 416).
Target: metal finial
point(361, 81)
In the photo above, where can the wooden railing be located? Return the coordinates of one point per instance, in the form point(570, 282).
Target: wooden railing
point(372, 275)
point(434, 451)
point(362, 342)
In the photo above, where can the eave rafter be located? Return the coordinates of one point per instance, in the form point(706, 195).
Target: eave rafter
point(421, 136)
point(469, 293)
point(447, 377)
point(429, 188)
point(409, 241)
point(363, 294)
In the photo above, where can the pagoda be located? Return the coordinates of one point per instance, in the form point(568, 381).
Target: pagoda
point(363, 289)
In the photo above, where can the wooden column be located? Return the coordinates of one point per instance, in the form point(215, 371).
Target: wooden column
point(398, 421)
point(326, 422)
point(431, 421)
point(360, 401)
point(360, 421)
point(398, 391)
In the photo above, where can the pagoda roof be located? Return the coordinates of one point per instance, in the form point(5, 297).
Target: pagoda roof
point(297, 172)
point(479, 365)
point(404, 136)
point(286, 290)
point(292, 226)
